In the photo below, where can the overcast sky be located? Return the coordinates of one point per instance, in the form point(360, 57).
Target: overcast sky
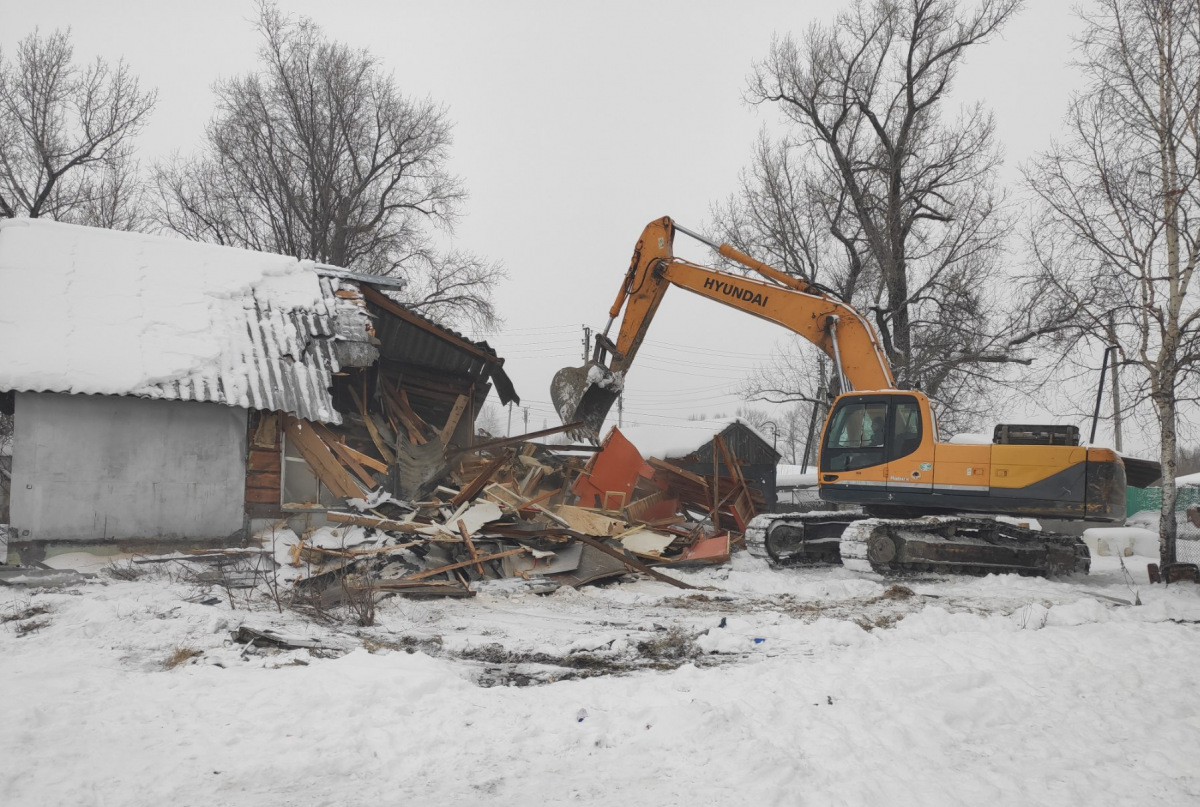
point(575, 125)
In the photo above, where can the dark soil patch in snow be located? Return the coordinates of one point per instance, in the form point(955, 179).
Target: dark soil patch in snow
point(32, 626)
point(897, 592)
point(496, 665)
point(675, 647)
point(20, 614)
point(126, 571)
point(429, 645)
point(706, 602)
point(26, 616)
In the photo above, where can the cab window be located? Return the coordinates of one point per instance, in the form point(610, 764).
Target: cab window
point(855, 438)
point(906, 429)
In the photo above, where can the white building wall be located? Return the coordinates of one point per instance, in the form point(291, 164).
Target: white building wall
point(96, 467)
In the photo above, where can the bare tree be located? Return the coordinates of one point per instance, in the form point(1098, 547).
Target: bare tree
point(66, 135)
point(881, 193)
point(1116, 237)
point(317, 154)
point(1188, 461)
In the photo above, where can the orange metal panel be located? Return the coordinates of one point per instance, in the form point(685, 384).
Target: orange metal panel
point(612, 474)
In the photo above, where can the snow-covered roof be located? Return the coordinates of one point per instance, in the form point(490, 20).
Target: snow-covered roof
point(681, 439)
point(87, 310)
point(1188, 481)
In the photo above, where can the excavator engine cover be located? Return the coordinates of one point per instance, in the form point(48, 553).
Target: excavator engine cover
point(585, 394)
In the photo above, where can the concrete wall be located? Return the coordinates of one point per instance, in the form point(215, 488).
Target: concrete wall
point(94, 467)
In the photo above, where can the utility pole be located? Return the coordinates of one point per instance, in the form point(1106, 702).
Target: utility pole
point(508, 431)
point(1116, 386)
point(812, 420)
point(621, 410)
point(587, 342)
point(526, 408)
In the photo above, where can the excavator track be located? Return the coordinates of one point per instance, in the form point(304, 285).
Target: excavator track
point(932, 544)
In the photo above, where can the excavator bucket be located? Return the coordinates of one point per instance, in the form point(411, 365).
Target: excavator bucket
point(585, 394)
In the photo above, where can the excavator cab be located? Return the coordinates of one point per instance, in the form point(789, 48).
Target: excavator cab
point(878, 441)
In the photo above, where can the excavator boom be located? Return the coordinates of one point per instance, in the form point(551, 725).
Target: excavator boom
point(585, 394)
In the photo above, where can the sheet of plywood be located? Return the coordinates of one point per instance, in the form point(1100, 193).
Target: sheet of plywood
point(473, 517)
point(589, 522)
point(647, 542)
point(563, 560)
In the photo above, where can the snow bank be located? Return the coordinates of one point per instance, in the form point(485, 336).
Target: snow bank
point(1072, 702)
point(790, 476)
point(1121, 542)
point(116, 313)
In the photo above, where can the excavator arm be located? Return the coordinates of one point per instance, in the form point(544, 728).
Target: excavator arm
point(587, 393)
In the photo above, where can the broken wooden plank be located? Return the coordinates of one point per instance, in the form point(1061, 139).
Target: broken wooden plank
point(412, 413)
point(358, 553)
point(596, 543)
point(366, 460)
point(339, 448)
point(485, 476)
point(263, 461)
point(654, 462)
point(536, 500)
point(262, 496)
point(530, 483)
point(462, 528)
point(392, 401)
point(453, 566)
point(376, 437)
point(456, 412)
point(630, 561)
point(397, 398)
point(371, 521)
point(321, 459)
point(263, 481)
point(589, 521)
point(523, 438)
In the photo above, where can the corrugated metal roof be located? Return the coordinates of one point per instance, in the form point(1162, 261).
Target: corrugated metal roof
point(286, 359)
point(166, 318)
point(418, 340)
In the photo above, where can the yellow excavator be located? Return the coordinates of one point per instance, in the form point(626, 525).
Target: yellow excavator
point(918, 499)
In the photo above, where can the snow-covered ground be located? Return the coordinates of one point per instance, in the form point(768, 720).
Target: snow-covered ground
point(823, 687)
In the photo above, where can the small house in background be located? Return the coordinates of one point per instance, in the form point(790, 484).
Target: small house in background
point(796, 488)
point(163, 389)
point(690, 446)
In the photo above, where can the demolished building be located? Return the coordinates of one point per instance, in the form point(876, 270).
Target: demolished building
point(691, 446)
point(171, 390)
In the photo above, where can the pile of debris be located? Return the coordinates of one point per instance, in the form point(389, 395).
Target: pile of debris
point(436, 519)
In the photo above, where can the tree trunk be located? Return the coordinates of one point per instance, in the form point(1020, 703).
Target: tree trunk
point(1167, 528)
point(897, 286)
